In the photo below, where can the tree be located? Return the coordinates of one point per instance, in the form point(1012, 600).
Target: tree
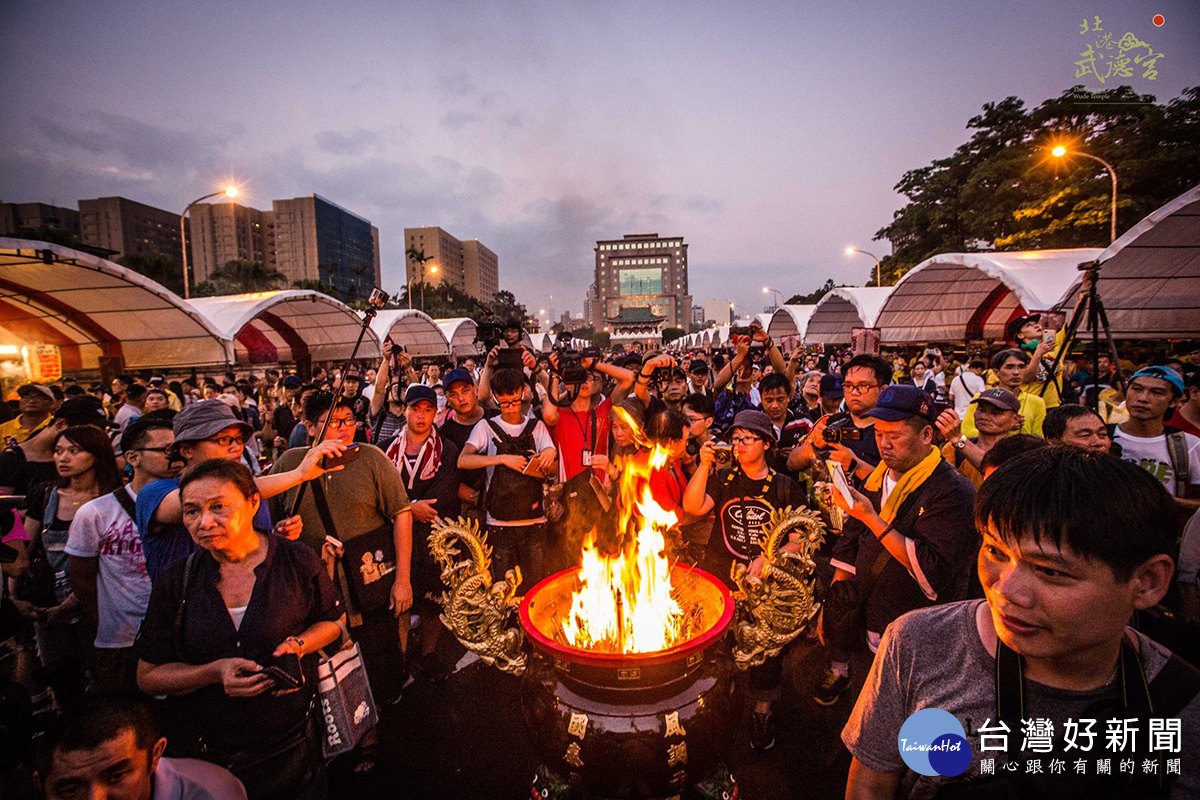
point(601, 339)
point(239, 276)
point(157, 267)
point(671, 334)
point(812, 297)
point(1001, 191)
point(319, 286)
point(504, 305)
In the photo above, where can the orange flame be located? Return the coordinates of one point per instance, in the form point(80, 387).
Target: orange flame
point(624, 603)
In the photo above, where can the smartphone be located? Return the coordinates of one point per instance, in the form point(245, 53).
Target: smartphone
point(349, 454)
point(285, 671)
point(839, 481)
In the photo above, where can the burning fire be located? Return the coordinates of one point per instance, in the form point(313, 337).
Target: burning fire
point(624, 603)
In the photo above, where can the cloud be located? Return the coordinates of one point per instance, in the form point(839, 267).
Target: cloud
point(702, 204)
point(458, 83)
point(138, 144)
point(346, 144)
point(457, 120)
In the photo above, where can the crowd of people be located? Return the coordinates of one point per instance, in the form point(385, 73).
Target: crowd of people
point(182, 540)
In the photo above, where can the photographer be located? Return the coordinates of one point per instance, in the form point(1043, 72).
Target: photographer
point(740, 369)
point(852, 439)
point(581, 429)
point(743, 499)
point(790, 429)
point(387, 408)
point(1042, 346)
point(669, 381)
point(502, 356)
point(997, 416)
point(699, 378)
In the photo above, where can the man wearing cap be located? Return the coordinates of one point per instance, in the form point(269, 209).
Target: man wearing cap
point(462, 397)
point(997, 416)
point(1008, 366)
point(427, 463)
point(1042, 346)
point(742, 500)
point(134, 406)
point(36, 401)
point(32, 461)
point(1169, 454)
point(865, 376)
point(209, 429)
point(699, 378)
point(352, 391)
point(910, 539)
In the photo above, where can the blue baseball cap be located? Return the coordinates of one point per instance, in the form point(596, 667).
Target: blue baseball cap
point(831, 386)
point(417, 392)
point(899, 402)
point(455, 375)
point(1163, 374)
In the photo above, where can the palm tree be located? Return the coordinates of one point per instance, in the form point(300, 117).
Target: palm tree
point(247, 276)
point(419, 257)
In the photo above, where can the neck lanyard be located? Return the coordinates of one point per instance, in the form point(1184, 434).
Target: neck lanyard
point(588, 433)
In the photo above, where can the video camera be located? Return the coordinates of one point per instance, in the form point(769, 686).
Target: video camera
point(570, 366)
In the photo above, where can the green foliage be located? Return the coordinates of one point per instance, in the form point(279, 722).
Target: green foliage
point(238, 277)
point(601, 339)
point(158, 267)
point(671, 334)
point(812, 297)
point(446, 301)
point(320, 286)
point(1001, 190)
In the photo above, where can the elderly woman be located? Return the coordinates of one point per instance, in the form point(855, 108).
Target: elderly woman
point(218, 618)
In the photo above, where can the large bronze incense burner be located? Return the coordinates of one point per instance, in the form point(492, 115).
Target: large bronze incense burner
point(612, 719)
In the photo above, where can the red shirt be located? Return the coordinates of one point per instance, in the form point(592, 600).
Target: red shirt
point(1177, 421)
point(577, 431)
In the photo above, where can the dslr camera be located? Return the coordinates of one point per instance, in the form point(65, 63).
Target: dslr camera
point(722, 454)
point(570, 367)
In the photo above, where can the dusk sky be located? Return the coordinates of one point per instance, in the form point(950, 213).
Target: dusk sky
point(769, 135)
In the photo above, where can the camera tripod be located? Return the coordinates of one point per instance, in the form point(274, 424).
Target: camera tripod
point(1097, 318)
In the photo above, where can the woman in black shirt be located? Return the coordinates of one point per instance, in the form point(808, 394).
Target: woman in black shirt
point(216, 619)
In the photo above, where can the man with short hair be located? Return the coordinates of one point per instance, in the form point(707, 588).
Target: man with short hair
point(299, 434)
point(698, 410)
point(968, 383)
point(36, 404)
point(1042, 346)
point(908, 540)
point(107, 565)
point(997, 416)
point(1077, 426)
point(134, 406)
point(1171, 456)
point(742, 500)
point(108, 746)
point(1009, 366)
point(386, 408)
point(1062, 576)
point(462, 396)
point(790, 428)
point(865, 376)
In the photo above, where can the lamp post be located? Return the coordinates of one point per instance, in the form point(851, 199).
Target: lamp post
point(432, 271)
point(229, 191)
point(1060, 151)
point(852, 250)
point(779, 296)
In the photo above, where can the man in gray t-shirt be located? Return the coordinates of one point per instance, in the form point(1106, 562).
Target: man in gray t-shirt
point(1073, 544)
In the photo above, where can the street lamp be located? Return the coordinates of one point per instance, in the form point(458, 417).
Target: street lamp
point(432, 271)
point(767, 289)
point(852, 250)
point(1060, 151)
point(228, 191)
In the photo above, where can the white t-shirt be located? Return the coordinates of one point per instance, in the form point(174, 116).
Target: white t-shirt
point(483, 439)
point(101, 529)
point(1151, 454)
point(964, 387)
point(126, 414)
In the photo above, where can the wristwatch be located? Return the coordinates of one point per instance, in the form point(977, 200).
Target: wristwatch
point(960, 443)
point(297, 640)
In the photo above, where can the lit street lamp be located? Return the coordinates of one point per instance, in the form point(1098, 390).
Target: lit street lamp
point(779, 295)
point(228, 191)
point(852, 250)
point(1060, 151)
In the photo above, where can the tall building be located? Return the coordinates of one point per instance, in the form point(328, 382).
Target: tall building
point(467, 265)
point(317, 240)
point(591, 306)
point(718, 310)
point(641, 279)
point(16, 217)
point(224, 232)
point(125, 226)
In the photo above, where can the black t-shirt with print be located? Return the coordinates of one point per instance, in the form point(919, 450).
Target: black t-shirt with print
point(741, 507)
point(458, 433)
point(20, 473)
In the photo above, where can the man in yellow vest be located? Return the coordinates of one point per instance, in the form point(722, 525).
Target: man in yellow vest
point(1009, 367)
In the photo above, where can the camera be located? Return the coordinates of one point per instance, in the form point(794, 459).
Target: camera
point(488, 334)
point(378, 298)
point(740, 330)
point(510, 358)
point(722, 454)
point(840, 435)
point(570, 369)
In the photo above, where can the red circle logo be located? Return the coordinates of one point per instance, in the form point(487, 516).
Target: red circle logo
point(1159, 19)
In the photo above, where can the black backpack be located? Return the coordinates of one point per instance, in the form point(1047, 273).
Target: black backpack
point(512, 496)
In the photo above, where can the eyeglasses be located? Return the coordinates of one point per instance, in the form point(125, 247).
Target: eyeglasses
point(227, 441)
point(508, 403)
point(742, 441)
point(342, 423)
point(859, 388)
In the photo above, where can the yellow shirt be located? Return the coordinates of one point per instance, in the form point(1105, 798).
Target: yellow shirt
point(1033, 410)
point(1035, 387)
point(15, 432)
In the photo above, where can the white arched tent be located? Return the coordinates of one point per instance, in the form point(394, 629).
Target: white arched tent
point(92, 309)
point(1150, 277)
point(790, 320)
point(460, 333)
point(292, 325)
point(964, 296)
point(413, 329)
point(843, 309)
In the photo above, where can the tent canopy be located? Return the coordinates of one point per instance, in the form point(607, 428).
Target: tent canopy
point(790, 321)
point(842, 309)
point(92, 308)
point(413, 329)
point(1150, 277)
point(298, 325)
point(460, 333)
point(957, 296)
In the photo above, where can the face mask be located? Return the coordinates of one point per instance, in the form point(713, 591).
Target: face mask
point(1031, 345)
